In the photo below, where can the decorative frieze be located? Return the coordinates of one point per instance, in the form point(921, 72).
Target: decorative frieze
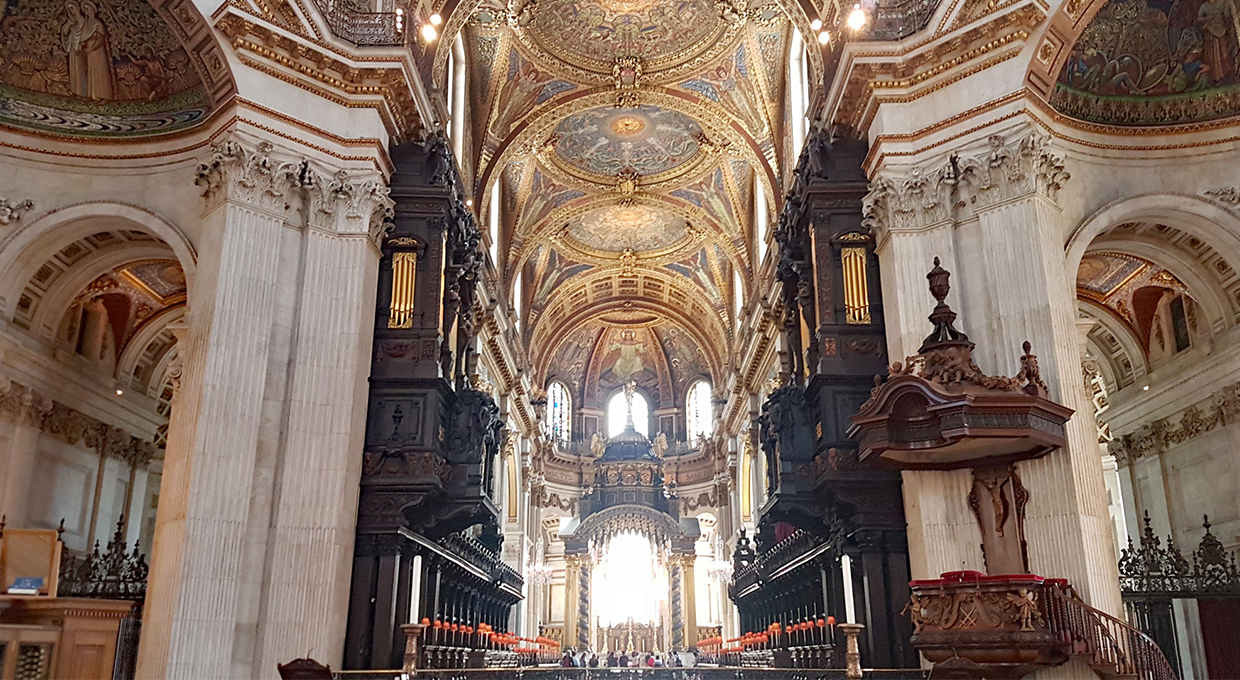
point(11, 210)
point(1228, 195)
point(1154, 438)
point(27, 407)
point(951, 190)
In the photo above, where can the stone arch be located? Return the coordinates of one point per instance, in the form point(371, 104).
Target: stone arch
point(1126, 345)
point(26, 249)
point(1203, 219)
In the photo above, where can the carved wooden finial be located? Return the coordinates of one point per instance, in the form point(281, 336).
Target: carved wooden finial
point(944, 335)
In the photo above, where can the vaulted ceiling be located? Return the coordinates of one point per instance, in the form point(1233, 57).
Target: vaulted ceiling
point(629, 139)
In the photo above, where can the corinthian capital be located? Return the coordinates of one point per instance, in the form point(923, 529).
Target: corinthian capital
point(250, 175)
point(343, 205)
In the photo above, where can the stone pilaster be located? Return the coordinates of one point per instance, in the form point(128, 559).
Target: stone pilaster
point(265, 432)
point(987, 208)
point(315, 509)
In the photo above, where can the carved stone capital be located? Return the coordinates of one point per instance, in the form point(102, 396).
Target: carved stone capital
point(343, 206)
point(22, 404)
point(950, 190)
point(11, 210)
point(249, 175)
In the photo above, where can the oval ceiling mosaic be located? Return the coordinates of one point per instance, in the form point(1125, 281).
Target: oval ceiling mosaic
point(605, 142)
point(659, 32)
point(616, 228)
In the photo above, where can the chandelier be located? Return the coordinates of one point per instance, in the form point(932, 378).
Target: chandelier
point(538, 574)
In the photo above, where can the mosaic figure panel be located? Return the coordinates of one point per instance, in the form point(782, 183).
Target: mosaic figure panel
point(525, 87)
point(710, 195)
point(638, 227)
point(729, 84)
point(648, 140)
point(1154, 62)
point(545, 195)
point(595, 33)
point(94, 67)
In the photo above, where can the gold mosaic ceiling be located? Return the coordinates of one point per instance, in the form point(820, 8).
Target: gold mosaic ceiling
point(629, 138)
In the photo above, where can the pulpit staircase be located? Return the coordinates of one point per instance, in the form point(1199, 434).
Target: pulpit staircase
point(1112, 648)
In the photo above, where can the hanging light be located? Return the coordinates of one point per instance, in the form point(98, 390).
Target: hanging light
point(816, 24)
point(400, 20)
point(429, 33)
point(436, 19)
point(824, 38)
point(856, 18)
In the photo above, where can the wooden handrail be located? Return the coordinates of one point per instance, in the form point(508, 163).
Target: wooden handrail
point(1112, 646)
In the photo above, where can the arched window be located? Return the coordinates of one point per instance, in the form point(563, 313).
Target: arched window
point(698, 414)
point(617, 414)
point(798, 93)
point(559, 412)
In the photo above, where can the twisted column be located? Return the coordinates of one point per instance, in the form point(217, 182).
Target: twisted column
point(583, 603)
point(676, 572)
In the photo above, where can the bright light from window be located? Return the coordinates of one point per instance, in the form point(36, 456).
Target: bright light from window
point(617, 414)
point(856, 18)
point(629, 583)
point(698, 411)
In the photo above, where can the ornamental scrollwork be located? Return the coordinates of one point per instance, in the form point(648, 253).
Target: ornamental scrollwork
point(12, 210)
point(1156, 437)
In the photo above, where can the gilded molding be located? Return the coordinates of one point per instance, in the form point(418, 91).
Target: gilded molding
point(1154, 438)
point(939, 194)
point(11, 210)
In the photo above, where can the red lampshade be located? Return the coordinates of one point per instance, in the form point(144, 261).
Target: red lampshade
point(830, 620)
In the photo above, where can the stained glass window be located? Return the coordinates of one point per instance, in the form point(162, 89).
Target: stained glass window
point(559, 412)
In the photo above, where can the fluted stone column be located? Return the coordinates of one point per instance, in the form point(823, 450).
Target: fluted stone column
point(25, 409)
point(255, 524)
point(987, 209)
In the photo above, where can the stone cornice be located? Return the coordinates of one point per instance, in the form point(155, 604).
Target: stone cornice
point(382, 78)
point(954, 188)
point(25, 406)
point(1155, 437)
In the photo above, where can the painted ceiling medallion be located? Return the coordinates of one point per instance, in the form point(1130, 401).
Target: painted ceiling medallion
point(639, 228)
point(606, 142)
point(592, 33)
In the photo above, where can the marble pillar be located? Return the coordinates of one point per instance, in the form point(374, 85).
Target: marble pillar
point(28, 409)
point(987, 209)
point(252, 532)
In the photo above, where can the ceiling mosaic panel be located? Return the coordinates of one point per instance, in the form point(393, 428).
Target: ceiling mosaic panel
point(730, 84)
point(616, 228)
point(95, 68)
point(608, 141)
point(592, 34)
point(1154, 62)
point(525, 86)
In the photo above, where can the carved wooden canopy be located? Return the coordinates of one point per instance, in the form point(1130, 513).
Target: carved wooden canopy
point(938, 410)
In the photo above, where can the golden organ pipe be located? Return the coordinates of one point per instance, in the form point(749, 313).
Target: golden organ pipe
point(404, 276)
point(856, 286)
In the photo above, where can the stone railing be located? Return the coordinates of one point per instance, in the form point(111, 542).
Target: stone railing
point(360, 27)
point(898, 19)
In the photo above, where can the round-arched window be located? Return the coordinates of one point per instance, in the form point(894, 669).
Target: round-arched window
point(559, 413)
point(698, 416)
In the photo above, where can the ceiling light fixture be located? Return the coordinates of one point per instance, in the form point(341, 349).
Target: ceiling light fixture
point(824, 38)
point(816, 24)
point(856, 18)
point(469, 202)
point(436, 19)
point(429, 33)
point(400, 20)
point(120, 392)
